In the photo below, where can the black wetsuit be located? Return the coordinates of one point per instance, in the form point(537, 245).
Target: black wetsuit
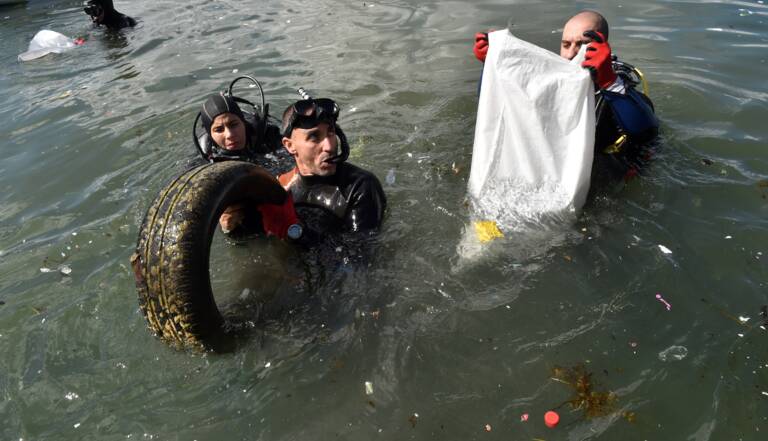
point(350, 200)
point(118, 21)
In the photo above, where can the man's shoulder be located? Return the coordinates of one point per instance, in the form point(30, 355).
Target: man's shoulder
point(629, 74)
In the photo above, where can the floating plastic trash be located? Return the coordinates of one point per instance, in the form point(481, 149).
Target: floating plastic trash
point(673, 353)
point(390, 179)
point(48, 42)
point(487, 231)
point(661, 299)
point(551, 419)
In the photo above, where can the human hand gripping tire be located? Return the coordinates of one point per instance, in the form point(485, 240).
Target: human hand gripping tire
point(598, 60)
point(231, 218)
point(276, 219)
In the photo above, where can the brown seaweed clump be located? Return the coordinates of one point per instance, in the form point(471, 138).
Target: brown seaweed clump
point(586, 397)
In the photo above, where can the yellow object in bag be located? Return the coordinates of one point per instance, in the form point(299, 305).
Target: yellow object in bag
point(487, 231)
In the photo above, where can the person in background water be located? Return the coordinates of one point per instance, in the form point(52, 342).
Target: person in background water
point(625, 117)
point(232, 137)
point(230, 134)
point(330, 194)
point(102, 12)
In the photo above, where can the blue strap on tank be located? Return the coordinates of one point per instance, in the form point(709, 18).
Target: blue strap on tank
point(634, 116)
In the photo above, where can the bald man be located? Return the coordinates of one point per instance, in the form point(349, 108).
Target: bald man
point(625, 117)
point(573, 32)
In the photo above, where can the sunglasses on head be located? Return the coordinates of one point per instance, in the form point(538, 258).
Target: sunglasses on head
point(310, 112)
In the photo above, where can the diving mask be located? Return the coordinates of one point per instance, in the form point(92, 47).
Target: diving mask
point(310, 112)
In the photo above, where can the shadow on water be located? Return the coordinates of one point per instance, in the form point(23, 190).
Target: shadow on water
point(264, 286)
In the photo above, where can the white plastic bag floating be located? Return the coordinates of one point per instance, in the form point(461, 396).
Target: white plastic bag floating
point(534, 139)
point(47, 42)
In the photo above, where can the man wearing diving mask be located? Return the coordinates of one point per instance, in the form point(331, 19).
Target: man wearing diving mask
point(102, 12)
point(329, 194)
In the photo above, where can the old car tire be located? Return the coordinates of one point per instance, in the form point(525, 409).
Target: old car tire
point(173, 250)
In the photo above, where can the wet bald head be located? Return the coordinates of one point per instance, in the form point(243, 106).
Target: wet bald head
point(573, 32)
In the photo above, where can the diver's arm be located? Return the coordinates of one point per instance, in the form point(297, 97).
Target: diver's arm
point(633, 113)
point(366, 205)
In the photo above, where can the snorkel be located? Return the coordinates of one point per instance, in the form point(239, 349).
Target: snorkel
point(309, 112)
point(254, 134)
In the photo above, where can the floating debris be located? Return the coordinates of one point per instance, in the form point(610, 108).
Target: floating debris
point(661, 299)
point(390, 179)
point(368, 388)
point(66, 94)
point(71, 396)
point(46, 270)
point(673, 353)
point(551, 419)
point(487, 427)
point(743, 319)
point(593, 402)
point(65, 270)
point(487, 231)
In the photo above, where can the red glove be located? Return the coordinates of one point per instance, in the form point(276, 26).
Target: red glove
point(277, 218)
point(481, 46)
point(598, 60)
